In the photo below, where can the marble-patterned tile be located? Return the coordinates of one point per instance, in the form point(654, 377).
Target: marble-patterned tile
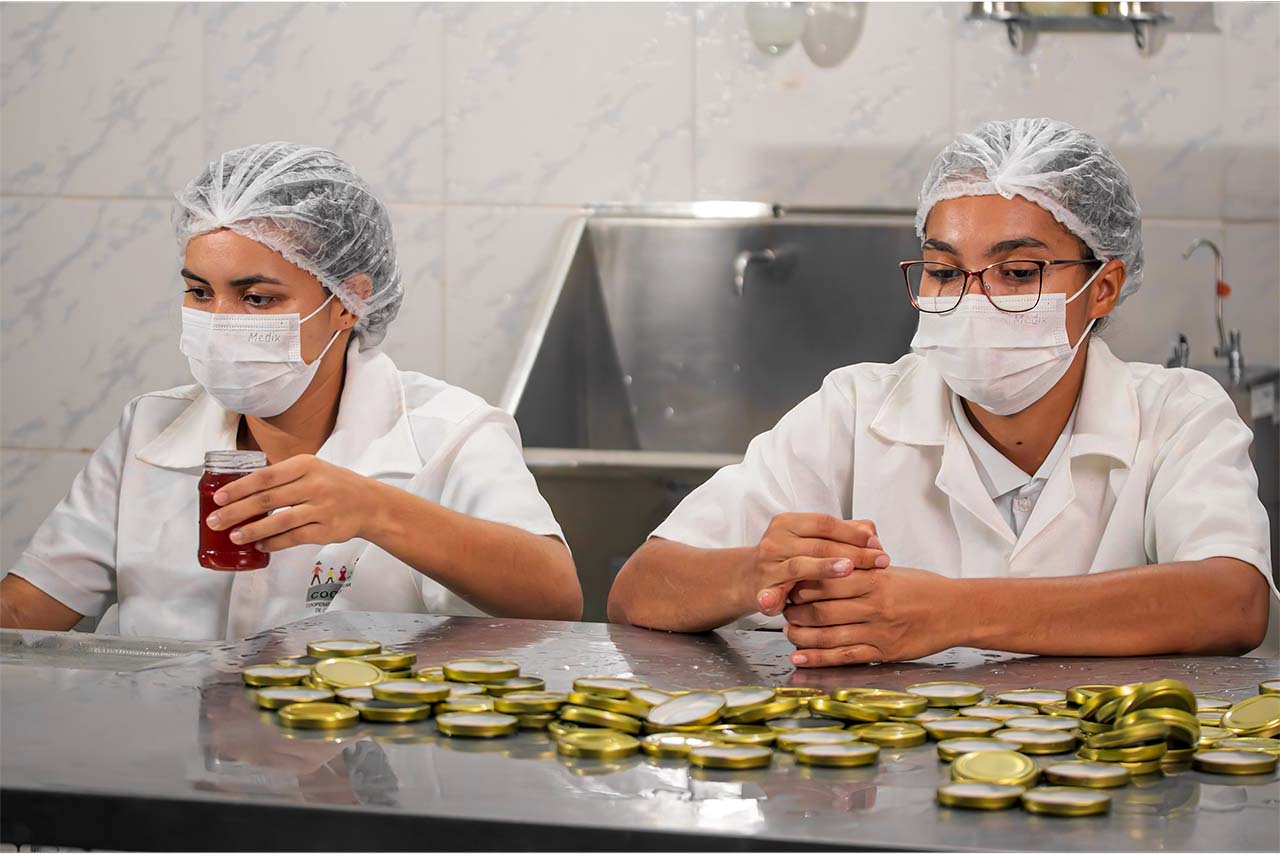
point(364, 79)
point(1177, 296)
point(31, 484)
point(98, 99)
point(498, 265)
point(568, 102)
point(415, 339)
point(1251, 136)
point(1161, 115)
point(862, 133)
point(1252, 268)
point(89, 319)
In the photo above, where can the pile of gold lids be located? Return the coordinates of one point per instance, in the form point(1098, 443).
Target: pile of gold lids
point(1116, 732)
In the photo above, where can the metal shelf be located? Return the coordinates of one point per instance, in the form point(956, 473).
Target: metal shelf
point(1022, 27)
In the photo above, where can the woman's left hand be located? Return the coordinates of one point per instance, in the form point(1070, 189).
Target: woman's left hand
point(323, 504)
point(873, 615)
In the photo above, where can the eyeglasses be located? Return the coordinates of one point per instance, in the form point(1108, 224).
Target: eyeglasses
point(1013, 286)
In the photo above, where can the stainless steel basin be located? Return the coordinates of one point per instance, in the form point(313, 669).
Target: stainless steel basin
point(668, 338)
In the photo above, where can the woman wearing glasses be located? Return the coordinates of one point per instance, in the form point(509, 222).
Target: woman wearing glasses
point(1010, 484)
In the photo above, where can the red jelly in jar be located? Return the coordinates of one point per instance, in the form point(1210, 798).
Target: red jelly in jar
point(216, 550)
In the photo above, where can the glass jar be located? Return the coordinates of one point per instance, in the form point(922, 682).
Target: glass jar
point(216, 551)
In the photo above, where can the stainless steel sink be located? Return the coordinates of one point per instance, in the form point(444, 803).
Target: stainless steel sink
point(669, 337)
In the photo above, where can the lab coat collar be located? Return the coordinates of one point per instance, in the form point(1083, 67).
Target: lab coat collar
point(372, 435)
point(917, 410)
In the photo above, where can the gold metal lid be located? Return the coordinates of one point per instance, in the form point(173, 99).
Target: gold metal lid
point(1184, 728)
point(700, 707)
point(391, 661)
point(514, 684)
point(470, 703)
point(1213, 717)
point(264, 675)
point(1205, 702)
point(1037, 742)
point(559, 728)
point(740, 698)
point(743, 734)
point(535, 720)
point(463, 689)
point(732, 756)
point(275, 698)
point(1078, 695)
point(799, 692)
point(1210, 735)
point(1256, 713)
point(1263, 745)
point(477, 724)
point(1136, 753)
point(304, 660)
point(1159, 694)
point(1036, 697)
point(1092, 775)
point(529, 702)
point(1007, 767)
point(950, 748)
point(847, 710)
point(775, 708)
point(788, 725)
point(1141, 769)
point(480, 670)
point(1131, 735)
point(999, 711)
point(1216, 761)
point(600, 718)
point(411, 691)
point(1065, 710)
point(673, 745)
point(337, 673)
point(791, 740)
point(609, 686)
point(979, 796)
point(846, 755)
point(648, 696)
point(430, 673)
point(1065, 801)
point(1101, 706)
point(608, 704)
point(318, 716)
point(1271, 686)
point(342, 648)
point(600, 744)
point(931, 714)
point(960, 727)
point(347, 695)
point(948, 695)
point(1047, 723)
point(892, 735)
point(891, 702)
point(389, 711)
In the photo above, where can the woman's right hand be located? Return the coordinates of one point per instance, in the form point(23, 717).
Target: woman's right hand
point(807, 547)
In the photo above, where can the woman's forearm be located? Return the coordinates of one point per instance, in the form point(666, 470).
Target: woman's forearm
point(680, 588)
point(500, 569)
point(1213, 606)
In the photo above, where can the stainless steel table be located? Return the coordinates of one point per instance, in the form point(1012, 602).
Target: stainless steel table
point(172, 753)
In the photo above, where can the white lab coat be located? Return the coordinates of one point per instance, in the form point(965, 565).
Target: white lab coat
point(127, 532)
point(1157, 470)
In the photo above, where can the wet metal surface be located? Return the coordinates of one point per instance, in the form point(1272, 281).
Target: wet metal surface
point(142, 756)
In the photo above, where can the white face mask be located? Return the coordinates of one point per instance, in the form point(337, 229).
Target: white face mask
point(250, 363)
point(1002, 361)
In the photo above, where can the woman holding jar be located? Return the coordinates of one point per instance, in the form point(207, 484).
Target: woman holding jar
point(362, 486)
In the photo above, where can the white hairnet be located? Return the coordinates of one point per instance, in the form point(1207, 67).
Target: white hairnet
point(309, 205)
point(1063, 170)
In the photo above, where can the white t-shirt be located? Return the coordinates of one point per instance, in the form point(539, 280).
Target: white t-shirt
point(1156, 470)
point(127, 533)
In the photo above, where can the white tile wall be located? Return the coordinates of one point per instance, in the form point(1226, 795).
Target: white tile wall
point(486, 125)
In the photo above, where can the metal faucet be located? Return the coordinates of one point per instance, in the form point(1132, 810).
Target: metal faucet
point(1229, 346)
point(745, 259)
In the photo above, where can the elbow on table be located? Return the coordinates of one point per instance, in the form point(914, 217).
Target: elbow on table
point(1253, 604)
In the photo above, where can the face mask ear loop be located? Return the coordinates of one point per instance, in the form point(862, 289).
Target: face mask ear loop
point(1083, 288)
point(331, 340)
point(320, 308)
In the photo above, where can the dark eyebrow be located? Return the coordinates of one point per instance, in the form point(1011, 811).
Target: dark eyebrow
point(257, 279)
point(1016, 243)
point(939, 245)
point(187, 274)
